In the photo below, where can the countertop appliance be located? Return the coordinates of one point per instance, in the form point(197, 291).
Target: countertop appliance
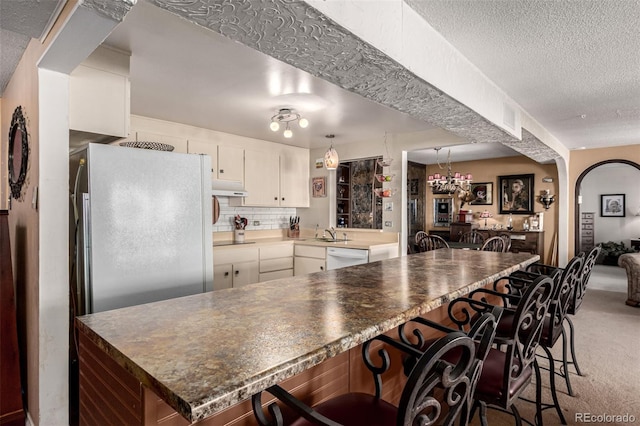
point(141, 226)
point(341, 257)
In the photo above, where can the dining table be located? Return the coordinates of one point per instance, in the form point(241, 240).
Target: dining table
point(464, 246)
point(203, 353)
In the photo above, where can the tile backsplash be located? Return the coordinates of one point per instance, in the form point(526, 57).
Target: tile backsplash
point(267, 217)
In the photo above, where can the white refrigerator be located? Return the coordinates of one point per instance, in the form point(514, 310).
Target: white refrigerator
point(140, 226)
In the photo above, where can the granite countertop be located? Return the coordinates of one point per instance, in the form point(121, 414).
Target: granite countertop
point(357, 244)
point(205, 352)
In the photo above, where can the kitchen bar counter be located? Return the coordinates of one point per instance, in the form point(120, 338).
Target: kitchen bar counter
point(205, 352)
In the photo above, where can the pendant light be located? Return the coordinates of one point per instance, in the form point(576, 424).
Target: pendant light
point(331, 159)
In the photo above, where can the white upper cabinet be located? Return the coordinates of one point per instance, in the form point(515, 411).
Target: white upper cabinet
point(276, 178)
point(99, 97)
point(227, 161)
point(261, 179)
point(231, 163)
point(294, 177)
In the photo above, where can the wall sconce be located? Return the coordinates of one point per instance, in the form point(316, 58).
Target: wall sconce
point(287, 115)
point(331, 159)
point(547, 199)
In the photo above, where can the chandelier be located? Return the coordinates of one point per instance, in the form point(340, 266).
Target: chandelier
point(286, 116)
point(451, 182)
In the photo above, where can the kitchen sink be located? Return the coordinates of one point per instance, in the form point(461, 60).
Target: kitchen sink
point(328, 240)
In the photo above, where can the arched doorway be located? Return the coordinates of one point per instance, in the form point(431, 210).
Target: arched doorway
point(579, 193)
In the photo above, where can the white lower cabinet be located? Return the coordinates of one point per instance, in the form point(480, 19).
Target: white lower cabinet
point(235, 267)
point(276, 261)
point(309, 259)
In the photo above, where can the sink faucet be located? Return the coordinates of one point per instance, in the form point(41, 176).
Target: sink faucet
point(333, 233)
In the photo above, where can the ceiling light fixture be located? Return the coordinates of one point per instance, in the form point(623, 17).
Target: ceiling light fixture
point(450, 182)
point(331, 159)
point(286, 116)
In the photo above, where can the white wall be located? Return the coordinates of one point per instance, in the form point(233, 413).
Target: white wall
point(615, 178)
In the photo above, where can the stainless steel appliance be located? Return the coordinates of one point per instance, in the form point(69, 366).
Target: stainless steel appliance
point(341, 257)
point(141, 226)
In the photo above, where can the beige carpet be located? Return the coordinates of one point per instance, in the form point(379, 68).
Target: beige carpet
point(608, 350)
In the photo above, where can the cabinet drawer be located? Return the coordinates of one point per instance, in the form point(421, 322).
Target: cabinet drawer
point(276, 264)
point(234, 255)
point(587, 232)
point(587, 240)
point(274, 251)
point(311, 251)
point(587, 226)
point(266, 276)
point(588, 215)
point(587, 221)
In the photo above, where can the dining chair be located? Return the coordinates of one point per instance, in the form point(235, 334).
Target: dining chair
point(493, 244)
point(507, 241)
point(473, 237)
point(431, 242)
point(437, 391)
point(420, 235)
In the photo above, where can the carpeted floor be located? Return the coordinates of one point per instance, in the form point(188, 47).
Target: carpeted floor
point(608, 351)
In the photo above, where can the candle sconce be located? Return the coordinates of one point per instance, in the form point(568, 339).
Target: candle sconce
point(547, 199)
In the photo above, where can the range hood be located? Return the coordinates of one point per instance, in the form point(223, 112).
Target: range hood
point(228, 188)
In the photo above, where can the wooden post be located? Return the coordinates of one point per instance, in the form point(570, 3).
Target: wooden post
point(11, 408)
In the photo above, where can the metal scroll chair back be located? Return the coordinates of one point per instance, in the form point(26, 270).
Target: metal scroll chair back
point(437, 391)
point(513, 364)
point(581, 288)
point(507, 241)
point(472, 237)
point(431, 242)
point(493, 244)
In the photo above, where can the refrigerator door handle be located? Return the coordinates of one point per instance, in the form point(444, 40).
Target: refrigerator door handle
point(86, 252)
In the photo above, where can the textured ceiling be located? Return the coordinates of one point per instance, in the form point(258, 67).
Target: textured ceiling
point(572, 65)
point(20, 21)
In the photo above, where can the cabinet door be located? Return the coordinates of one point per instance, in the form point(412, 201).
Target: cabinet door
point(179, 144)
point(195, 146)
point(294, 178)
point(230, 163)
point(245, 273)
point(307, 265)
point(261, 178)
point(222, 276)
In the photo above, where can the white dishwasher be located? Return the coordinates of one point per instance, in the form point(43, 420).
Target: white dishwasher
point(341, 257)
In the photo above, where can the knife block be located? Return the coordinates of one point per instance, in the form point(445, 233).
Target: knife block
point(293, 233)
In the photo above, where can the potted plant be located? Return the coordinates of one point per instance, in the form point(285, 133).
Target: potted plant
point(611, 251)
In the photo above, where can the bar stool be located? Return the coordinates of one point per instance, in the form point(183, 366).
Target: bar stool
point(507, 368)
point(565, 283)
point(432, 375)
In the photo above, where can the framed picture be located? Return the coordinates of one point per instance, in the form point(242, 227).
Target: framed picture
point(483, 193)
point(442, 211)
point(612, 205)
point(516, 194)
point(319, 187)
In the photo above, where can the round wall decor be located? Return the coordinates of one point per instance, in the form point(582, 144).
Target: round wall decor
point(18, 152)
